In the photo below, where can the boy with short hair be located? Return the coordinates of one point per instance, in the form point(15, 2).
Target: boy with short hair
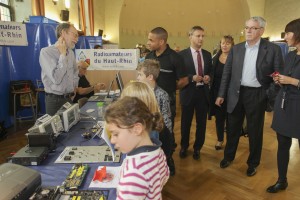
point(148, 72)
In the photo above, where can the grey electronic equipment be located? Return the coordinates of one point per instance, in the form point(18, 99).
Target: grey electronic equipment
point(69, 114)
point(18, 182)
point(30, 155)
point(47, 124)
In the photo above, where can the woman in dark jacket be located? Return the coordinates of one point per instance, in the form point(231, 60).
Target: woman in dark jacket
point(287, 105)
point(220, 113)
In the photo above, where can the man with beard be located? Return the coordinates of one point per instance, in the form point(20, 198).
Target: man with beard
point(59, 69)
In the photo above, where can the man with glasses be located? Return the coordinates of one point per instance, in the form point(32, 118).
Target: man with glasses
point(84, 89)
point(59, 69)
point(246, 77)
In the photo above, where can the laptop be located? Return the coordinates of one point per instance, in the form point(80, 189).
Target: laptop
point(102, 97)
point(119, 81)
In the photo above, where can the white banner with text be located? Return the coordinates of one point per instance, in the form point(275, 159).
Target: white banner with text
point(13, 34)
point(109, 59)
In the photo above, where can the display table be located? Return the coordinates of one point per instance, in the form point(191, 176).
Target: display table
point(54, 174)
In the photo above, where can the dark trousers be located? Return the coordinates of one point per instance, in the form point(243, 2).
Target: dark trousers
point(199, 104)
point(165, 136)
point(283, 156)
point(172, 98)
point(252, 103)
point(53, 104)
point(221, 119)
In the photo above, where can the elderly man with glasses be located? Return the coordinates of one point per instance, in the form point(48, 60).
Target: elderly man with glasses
point(246, 77)
point(59, 69)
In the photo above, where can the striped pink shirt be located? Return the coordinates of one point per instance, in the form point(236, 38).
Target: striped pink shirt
point(143, 175)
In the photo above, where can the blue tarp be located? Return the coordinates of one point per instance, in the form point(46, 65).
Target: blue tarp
point(22, 62)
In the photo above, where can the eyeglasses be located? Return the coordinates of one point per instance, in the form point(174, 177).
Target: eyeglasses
point(74, 34)
point(251, 28)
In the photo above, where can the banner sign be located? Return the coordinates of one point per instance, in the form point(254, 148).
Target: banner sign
point(13, 34)
point(109, 59)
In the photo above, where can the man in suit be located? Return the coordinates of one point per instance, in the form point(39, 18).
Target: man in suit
point(195, 96)
point(246, 77)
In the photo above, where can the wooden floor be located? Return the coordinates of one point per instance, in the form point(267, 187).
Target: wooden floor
point(204, 179)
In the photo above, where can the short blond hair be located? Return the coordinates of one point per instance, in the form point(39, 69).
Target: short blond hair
point(142, 91)
point(150, 67)
point(145, 93)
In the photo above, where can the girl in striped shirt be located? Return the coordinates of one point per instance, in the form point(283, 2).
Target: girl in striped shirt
point(144, 170)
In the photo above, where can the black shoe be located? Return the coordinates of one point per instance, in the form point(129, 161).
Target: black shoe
point(182, 153)
point(278, 186)
point(196, 155)
point(171, 165)
point(224, 163)
point(251, 171)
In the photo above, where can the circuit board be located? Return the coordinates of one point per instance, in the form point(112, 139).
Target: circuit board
point(54, 193)
point(84, 195)
point(87, 154)
point(75, 177)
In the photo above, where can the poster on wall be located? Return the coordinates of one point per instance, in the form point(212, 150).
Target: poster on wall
point(109, 59)
point(13, 34)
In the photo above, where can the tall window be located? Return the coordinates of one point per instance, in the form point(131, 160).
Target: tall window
point(5, 10)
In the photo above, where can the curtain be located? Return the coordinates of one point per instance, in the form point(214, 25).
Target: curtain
point(38, 7)
point(91, 16)
point(82, 16)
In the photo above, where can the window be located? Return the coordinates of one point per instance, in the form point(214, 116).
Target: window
point(4, 10)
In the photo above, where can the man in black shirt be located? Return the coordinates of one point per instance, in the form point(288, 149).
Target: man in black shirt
point(173, 73)
point(84, 88)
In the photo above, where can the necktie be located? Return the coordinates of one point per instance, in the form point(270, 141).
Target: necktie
point(199, 60)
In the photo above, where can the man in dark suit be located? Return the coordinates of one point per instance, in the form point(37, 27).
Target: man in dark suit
point(246, 77)
point(195, 96)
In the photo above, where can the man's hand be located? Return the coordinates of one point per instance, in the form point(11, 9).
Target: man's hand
point(206, 79)
point(99, 86)
point(197, 79)
point(81, 64)
point(61, 45)
point(219, 101)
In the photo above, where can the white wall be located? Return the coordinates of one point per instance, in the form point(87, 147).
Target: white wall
point(278, 13)
point(22, 10)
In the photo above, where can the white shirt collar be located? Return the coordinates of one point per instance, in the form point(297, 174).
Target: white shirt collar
point(194, 50)
point(256, 44)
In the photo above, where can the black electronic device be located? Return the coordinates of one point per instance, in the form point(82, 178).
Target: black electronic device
point(45, 193)
point(119, 81)
point(100, 32)
point(64, 15)
point(30, 155)
point(18, 182)
point(41, 140)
